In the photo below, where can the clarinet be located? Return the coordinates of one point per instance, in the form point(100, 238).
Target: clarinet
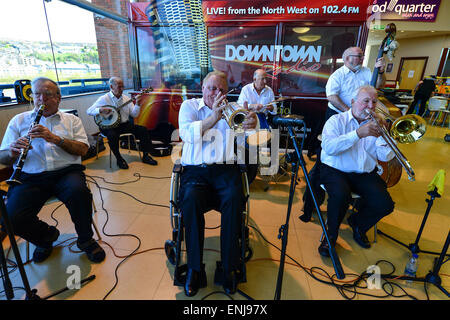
point(14, 179)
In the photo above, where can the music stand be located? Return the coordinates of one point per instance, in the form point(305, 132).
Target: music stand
point(297, 159)
point(31, 294)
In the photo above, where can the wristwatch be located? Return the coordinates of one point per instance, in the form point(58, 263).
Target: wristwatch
point(61, 142)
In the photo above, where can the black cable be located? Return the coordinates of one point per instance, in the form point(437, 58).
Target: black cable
point(114, 235)
point(123, 192)
point(351, 287)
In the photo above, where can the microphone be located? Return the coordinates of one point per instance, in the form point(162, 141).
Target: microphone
point(287, 121)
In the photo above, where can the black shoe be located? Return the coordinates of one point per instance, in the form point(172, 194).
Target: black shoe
point(3, 235)
point(194, 281)
point(149, 160)
point(359, 236)
point(94, 252)
point(324, 248)
point(122, 164)
point(40, 254)
point(230, 283)
point(306, 217)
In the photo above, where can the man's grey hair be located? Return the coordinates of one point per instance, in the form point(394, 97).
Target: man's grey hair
point(44, 79)
point(348, 51)
point(258, 71)
point(365, 88)
point(216, 73)
point(113, 80)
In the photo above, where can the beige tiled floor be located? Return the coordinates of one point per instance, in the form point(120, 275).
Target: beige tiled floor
point(148, 275)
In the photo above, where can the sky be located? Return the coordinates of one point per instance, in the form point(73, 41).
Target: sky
point(25, 20)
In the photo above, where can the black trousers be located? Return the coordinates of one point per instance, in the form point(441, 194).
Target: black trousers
point(204, 188)
point(139, 132)
point(27, 199)
point(375, 202)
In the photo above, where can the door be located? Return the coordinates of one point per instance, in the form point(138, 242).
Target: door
point(411, 72)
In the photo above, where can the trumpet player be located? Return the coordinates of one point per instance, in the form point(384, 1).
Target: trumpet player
point(351, 146)
point(210, 172)
point(52, 168)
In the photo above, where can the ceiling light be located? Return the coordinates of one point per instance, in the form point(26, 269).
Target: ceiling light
point(311, 38)
point(301, 29)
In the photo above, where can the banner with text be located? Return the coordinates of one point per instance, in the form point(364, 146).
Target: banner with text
point(286, 10)
point(409, 10)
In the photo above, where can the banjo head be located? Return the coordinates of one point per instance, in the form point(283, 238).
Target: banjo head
point(110, 120)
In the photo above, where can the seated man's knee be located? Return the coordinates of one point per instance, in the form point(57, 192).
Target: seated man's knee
point(341, 195)
point(18, 221)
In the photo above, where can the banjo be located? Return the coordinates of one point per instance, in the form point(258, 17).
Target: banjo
point(112, 118)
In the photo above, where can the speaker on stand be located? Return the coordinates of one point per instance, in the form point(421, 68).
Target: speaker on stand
point(23, 91)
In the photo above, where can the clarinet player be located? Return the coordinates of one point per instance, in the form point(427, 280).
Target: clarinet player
point(52, 168)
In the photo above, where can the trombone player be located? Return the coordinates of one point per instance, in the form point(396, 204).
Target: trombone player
point(351, 146)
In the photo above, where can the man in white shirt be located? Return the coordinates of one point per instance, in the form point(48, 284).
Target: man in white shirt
point(258, 95)
point(52, 168)
point(351, 147)
point(210, 175)
point(340, 90)
point(116, 99)
point(344, 82)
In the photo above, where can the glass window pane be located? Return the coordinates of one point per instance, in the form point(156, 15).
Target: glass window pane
point(239, 51)
point(169, 56)
point(23, 33)
point(310, 55)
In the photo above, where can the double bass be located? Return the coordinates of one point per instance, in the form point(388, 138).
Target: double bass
point(404, 129)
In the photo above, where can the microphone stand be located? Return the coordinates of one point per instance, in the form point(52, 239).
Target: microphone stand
point(296, 159)
point(414, 247)
point(432, 276)
point(30, 294)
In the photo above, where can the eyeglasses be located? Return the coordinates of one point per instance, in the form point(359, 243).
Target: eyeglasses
point(214, 89)
point(356, 55)
point(45, 94)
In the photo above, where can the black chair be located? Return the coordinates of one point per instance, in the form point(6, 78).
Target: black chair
point(173, 247)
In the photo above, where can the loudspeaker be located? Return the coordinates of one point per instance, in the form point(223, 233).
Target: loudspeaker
point(341, 42)
point(23, 91)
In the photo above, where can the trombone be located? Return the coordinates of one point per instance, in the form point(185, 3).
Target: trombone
point(406, 129)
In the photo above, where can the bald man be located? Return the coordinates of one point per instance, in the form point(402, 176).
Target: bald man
point(258, 94)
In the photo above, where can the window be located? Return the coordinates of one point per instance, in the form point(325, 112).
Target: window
point(76, 47)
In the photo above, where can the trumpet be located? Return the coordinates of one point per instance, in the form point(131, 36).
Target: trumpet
point(15, 177)
point(404, 129)
point(234, 115)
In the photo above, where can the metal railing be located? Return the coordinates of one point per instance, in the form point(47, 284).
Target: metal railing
point(70, 87)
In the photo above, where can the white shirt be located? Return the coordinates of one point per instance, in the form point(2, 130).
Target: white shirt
point(345, 83)
point(110, 99)
point(249, 94)
point(208, 147)
point(46, 156)
point(342, 149)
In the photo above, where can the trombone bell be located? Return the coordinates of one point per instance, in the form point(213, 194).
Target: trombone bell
point(408, 129)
